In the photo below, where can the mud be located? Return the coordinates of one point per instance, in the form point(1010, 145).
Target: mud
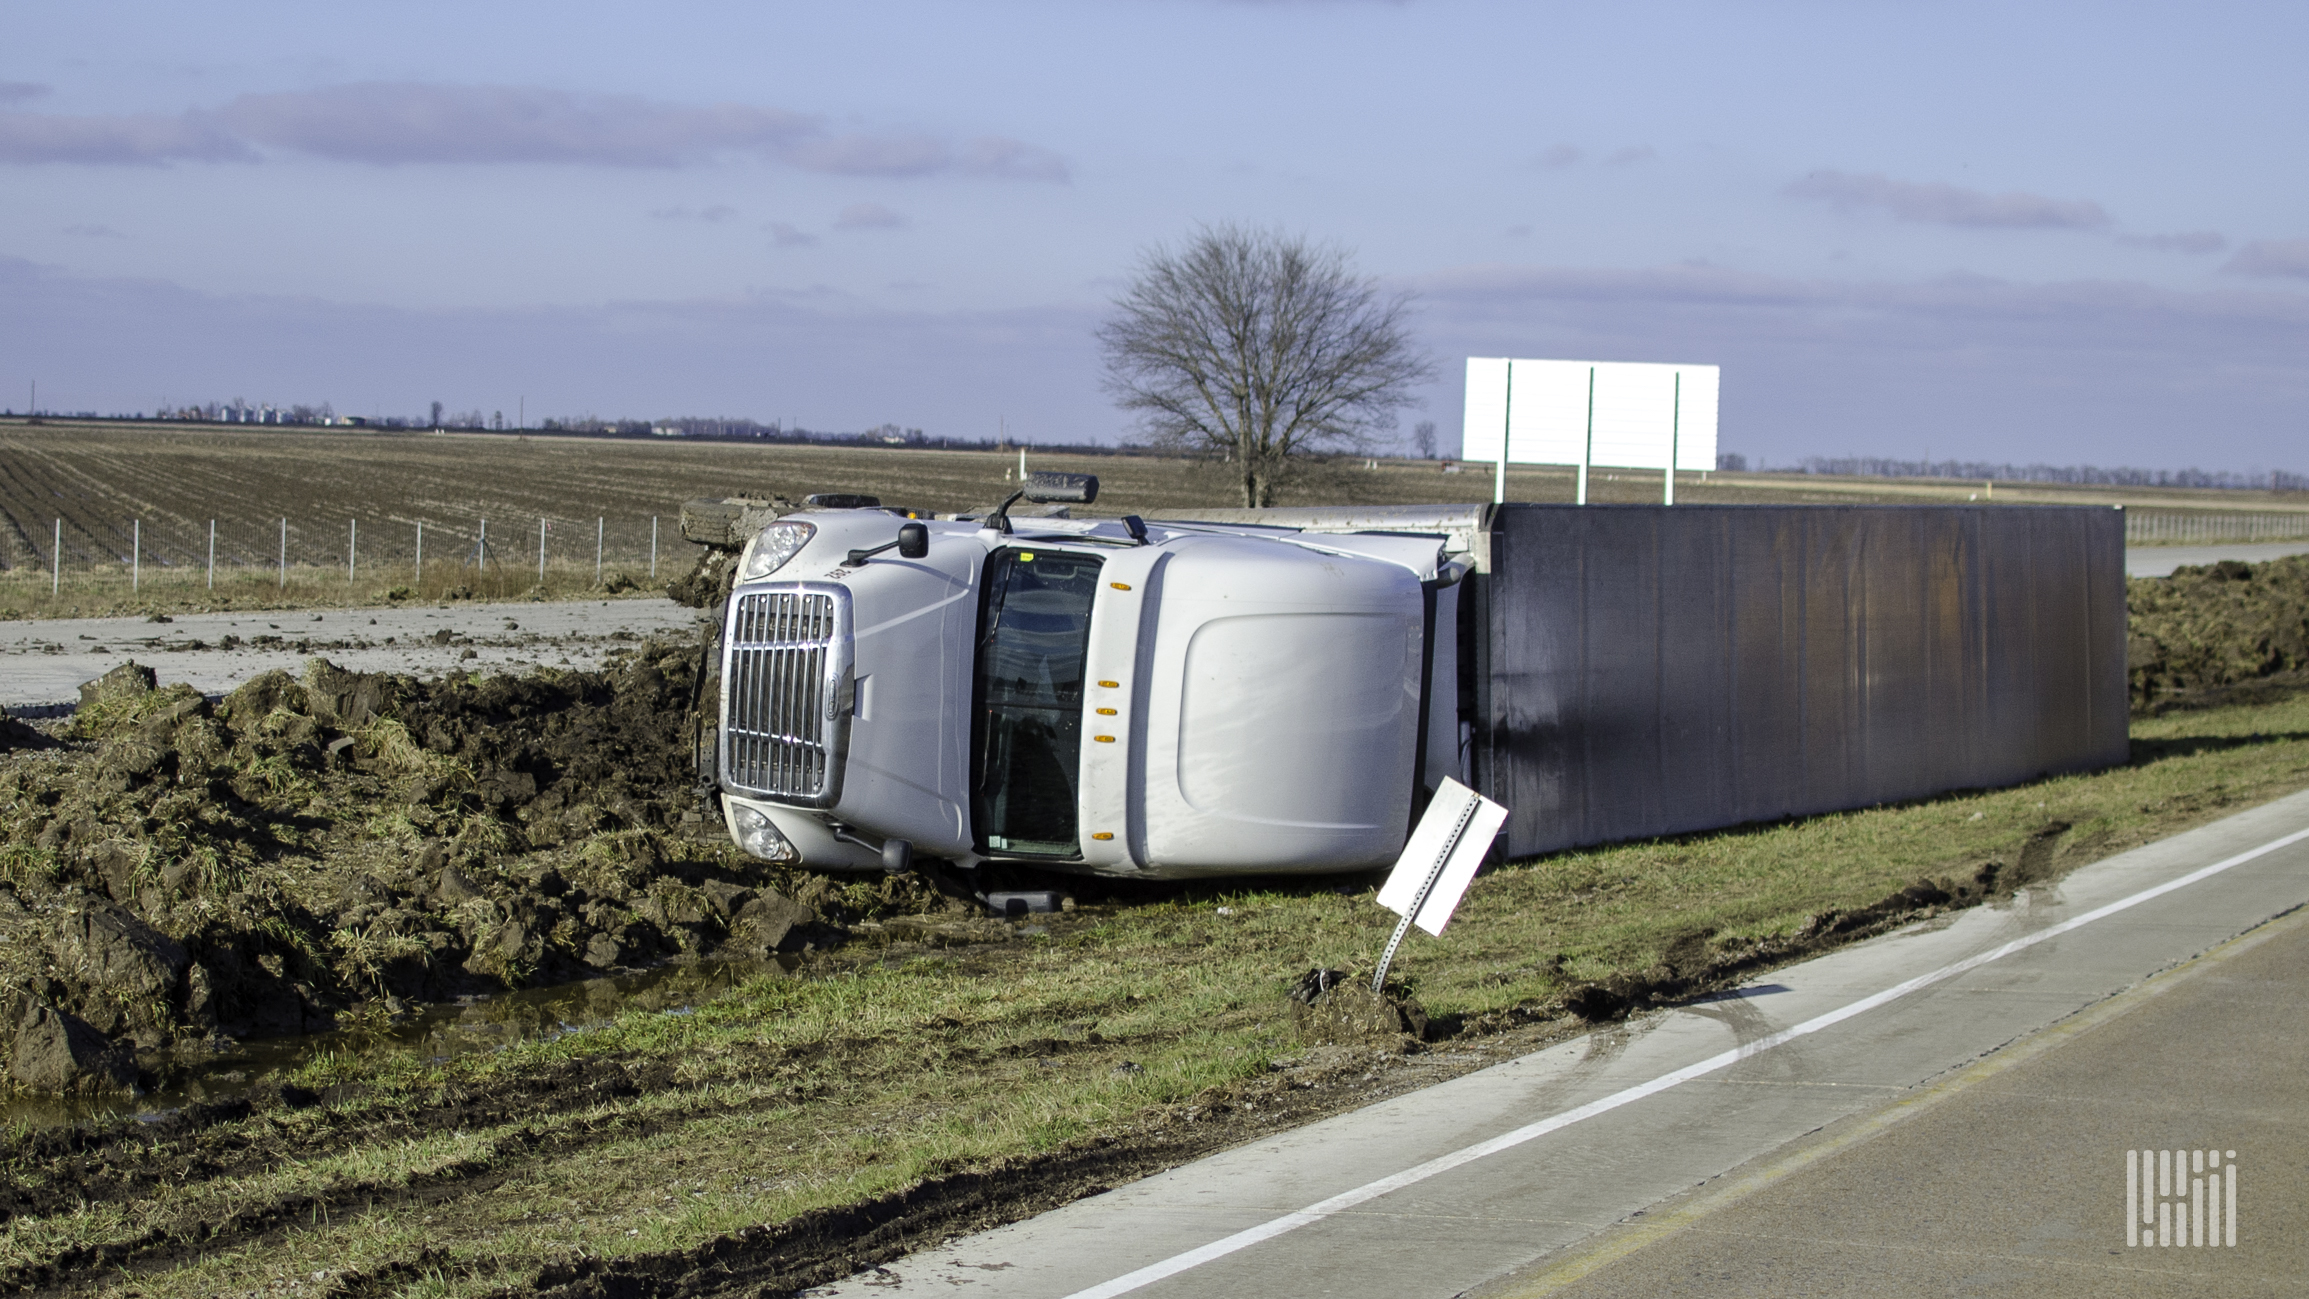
point(2220, 625)
point(180, 876)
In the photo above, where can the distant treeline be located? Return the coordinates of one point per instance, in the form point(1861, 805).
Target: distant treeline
point(2274, 480)
point(700, 428)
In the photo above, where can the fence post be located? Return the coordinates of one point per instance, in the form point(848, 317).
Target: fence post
point(136, 556)
point(541, 553)
point(56, 578)
point(352, 549)
point(599, 523)
point(420, 554)
point(284, 554)
point(212, 554)
point(652, 547)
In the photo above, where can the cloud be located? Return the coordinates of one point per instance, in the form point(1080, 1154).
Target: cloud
point(874, 155)
point(16, 92)
point(135, 139)
point(2187, 241)
point(869, 216)
point(1007, 159)
point(93, 230)
point(717, 212)
point(2102, 372)
point(786, 236)
point(828, 360)
point(2272, 257)
point(2068, 372)
point(1937, 203)
point(394, 123)
point(1559, 156)
point(1628, 155)
point(922, 155)
point(390, 124)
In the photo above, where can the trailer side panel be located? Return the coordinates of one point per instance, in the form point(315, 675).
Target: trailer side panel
point(1649, 670)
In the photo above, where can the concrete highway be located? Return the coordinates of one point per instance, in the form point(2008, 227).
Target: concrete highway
point(43, 661)
point(2160, 561)
point(1945, 1110)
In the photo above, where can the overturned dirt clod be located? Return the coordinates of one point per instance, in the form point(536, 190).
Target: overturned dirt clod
point(2215, 626)
point(176, 870)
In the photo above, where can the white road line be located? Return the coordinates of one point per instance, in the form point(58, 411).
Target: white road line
point(1314, 1213)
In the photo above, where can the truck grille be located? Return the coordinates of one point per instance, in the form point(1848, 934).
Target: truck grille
point(785, 678)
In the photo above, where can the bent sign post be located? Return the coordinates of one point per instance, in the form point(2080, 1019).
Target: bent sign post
point(1624, 414)
point(1438, 864)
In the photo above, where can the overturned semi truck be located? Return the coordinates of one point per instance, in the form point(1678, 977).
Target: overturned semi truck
point(1262, 691)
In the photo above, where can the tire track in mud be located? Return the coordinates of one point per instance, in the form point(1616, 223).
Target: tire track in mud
point(219, 1147)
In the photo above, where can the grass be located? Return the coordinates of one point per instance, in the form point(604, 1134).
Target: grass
point(791, 1094)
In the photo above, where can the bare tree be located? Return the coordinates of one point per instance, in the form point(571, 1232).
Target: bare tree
point(1423, 439)
point(1258, 348)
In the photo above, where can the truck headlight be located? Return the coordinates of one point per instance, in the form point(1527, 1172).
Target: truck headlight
point(778, 543)
point(758, 835)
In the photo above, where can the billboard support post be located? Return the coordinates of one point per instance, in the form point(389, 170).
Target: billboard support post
point(1587, 448)
point(1506, 427)
point(1675, 430)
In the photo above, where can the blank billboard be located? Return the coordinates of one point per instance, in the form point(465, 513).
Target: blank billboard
point(1624, 414)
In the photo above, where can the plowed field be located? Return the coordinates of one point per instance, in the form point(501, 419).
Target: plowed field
point(118, 490)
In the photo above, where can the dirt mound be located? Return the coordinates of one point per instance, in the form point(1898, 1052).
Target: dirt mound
point(2214, 626)
point(352, 842)
point(1338, 1008)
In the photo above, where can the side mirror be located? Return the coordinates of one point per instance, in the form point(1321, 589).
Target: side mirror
point(1061, 489)
point(913, 540)
point(897, 856)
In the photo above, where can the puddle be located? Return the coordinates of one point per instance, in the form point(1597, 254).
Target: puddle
point(437, 1032)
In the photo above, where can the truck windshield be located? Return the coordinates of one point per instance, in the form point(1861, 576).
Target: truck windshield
point(1026, 733)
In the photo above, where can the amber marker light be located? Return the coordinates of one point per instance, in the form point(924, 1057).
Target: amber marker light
point(1103, 739)
point(1120, 586)
point(1106, 712)
point(1104, 834)
point(1110, 684)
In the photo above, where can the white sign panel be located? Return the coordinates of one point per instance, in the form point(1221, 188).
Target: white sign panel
point(1623, 414)
point(1447, 846)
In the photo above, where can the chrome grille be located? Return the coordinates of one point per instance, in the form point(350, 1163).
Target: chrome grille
point(785, 721)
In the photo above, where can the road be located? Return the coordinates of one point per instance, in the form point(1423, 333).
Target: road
point(2160, 561)
point(1944, 1110)
point(43, 662)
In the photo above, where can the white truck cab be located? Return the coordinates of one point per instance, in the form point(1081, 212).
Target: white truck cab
point(1152, 699)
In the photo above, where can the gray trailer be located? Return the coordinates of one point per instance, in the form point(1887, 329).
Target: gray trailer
point(1650, 670)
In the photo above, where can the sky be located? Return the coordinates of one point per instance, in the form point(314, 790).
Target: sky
point(2058, 233)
